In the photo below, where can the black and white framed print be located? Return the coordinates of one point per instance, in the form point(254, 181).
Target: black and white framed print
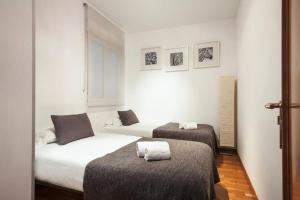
point(207, 54)
point(177, 59)
point(150, 58)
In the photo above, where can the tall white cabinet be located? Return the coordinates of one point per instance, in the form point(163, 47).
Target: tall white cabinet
point(227, 115)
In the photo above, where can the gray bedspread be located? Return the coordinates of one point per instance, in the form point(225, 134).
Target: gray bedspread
point(190, 174)
point(204, 133)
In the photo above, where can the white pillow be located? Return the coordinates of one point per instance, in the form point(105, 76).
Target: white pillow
point(109, 122)
point(46, 136)
point(117, 121)
point(113, 120)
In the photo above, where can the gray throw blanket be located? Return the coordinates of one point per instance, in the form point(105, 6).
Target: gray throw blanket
point(204, 133)
point(189, 175)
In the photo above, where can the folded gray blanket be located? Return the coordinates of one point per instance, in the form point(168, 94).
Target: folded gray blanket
point(204, 133)
point(189, 175)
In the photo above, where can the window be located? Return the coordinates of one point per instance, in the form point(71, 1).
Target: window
point(105, 61)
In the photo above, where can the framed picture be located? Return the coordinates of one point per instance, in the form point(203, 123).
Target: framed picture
point(151, 58)
point(177, 59)
point(207, 54)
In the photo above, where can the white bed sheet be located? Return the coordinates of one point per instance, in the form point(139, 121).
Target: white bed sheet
point(138, 129)
point(64, 165)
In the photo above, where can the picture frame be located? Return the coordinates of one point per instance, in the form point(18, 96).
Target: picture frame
point(151, 58)
point(206, 54)
point(177, 59)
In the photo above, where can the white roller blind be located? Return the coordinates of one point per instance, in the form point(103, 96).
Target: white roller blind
point(105, 61)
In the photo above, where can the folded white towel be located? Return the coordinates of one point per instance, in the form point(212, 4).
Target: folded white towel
point(181, 125)
point(158, 145)
point(188, 125)
point(153, 152)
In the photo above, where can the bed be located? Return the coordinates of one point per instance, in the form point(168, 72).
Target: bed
point(138, 129)
point(64, 165)
point(204, 133)
point(106, 166)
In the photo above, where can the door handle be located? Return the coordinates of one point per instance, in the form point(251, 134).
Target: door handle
point(279, 105)
point(279, 118)
point(273, 105)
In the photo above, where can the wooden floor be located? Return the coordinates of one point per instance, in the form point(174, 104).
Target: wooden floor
point(234, 183)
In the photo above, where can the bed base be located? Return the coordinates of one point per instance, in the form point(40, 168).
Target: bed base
point(47, 191)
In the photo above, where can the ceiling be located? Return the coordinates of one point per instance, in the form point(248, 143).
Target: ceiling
point(142, 15)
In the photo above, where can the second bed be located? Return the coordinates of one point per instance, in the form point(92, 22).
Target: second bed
point(204, 133)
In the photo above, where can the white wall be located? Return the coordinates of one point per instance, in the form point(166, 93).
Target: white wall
point(193, 95)
point(60, 44)
point(259, 78)
point(60, 60)
point(16, 102)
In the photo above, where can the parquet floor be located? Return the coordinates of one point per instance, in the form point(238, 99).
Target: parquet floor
point(234, 184)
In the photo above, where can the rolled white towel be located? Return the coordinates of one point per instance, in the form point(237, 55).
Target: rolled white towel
point(153, 152)
point(181, 125)
point(141, 146)
point(188, 125)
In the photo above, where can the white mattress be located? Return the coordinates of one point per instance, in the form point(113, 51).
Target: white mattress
point(141, 130)
point(64, 165)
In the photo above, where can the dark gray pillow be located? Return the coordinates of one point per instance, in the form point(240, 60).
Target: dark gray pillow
point(128, 117)
point(69, 128)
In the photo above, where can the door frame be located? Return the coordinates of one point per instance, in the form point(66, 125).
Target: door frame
point(286, 139)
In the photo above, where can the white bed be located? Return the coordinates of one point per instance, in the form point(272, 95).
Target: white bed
point(138, 129)
point(64, 165)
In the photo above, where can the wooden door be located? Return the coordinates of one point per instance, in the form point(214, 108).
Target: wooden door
point(291, 99)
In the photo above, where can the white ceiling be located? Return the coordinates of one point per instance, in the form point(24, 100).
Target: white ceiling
point(141, 15)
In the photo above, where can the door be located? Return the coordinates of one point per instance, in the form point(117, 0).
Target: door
point(289, 118)
point(291, 99)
